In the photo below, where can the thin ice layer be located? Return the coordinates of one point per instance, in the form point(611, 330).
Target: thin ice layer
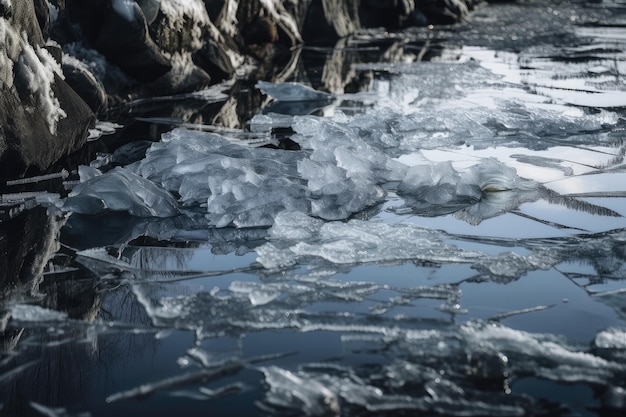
point(439, 372)
point(354, 242)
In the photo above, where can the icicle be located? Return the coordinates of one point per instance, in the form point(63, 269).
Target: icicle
point(32, 180)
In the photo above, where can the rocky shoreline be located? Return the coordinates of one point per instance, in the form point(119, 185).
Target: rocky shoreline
point(66, 63)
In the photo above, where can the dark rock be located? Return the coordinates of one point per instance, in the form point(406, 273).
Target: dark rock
point(42, 11)
point(444, 11)
point(391, 14)
point(150, 9)
point(29, 145)
point(35, 130)
point(84, 83)
point(214, 8)
point(126, 43)
point(329, 20)
point(215, 59)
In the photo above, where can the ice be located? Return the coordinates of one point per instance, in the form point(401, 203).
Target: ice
point(62, 175)
point(120, 190)
point(290, 91)
point(291, 391)
point(203, 375)
point(56, 411)
point(611, 338)
point(452, 363)
point(249, 187)
point(33, 313)
point(356, 241)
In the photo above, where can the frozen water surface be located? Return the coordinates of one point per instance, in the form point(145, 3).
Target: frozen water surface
point(449, 242)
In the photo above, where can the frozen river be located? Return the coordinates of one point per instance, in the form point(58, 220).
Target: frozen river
point(436, 227)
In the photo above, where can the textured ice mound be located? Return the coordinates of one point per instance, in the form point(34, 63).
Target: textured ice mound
point(248, 187)
point(438, 188)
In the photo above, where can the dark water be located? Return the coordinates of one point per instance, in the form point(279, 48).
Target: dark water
point(471, 263)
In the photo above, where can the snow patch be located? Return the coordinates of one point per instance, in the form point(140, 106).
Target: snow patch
point(34, 70)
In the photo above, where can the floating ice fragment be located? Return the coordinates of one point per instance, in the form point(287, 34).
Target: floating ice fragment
point(612, 338)
point(217, 372)
point(356, 241)
point(257, 293)
point(291, 91)
point(32, 313)
point(295, 392)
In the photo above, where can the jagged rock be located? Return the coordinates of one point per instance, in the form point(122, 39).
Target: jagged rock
point(35, 101)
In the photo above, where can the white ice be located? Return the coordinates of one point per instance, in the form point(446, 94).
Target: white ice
point(33, 313)
point(290, 91)
point(295, 236)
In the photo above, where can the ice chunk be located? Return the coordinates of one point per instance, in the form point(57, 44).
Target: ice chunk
point(216, 372)
point(258, 294)
point(121, 190)
point(296, 392)
point(611, 338)
point(25, 312)
point(509, 266)
point(291, 91)
point(56, 411)
point(438, 188)
point(248, 187)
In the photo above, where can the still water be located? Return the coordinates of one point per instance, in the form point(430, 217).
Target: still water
point(423, 223)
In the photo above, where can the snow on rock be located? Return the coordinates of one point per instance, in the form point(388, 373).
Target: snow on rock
point(31, 69)
point(36, 70)
point(9, 51)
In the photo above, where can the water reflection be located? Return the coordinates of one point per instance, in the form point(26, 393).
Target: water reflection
point(371, 315)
